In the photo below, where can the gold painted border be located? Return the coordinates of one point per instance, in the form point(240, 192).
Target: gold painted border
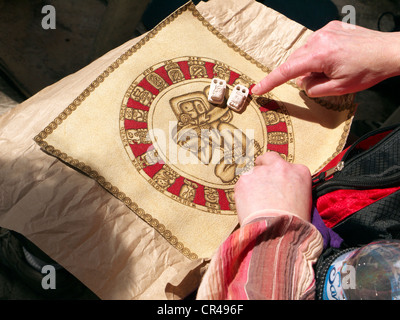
point(81, 166)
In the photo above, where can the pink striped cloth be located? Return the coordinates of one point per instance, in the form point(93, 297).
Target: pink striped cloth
point(271, 258)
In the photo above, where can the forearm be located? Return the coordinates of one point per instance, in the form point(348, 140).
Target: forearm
point(270, 258)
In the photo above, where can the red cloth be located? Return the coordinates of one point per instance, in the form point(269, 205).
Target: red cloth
point(338, 205)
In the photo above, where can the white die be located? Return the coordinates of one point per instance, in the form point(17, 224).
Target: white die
point(217, 91)
point(238, 97)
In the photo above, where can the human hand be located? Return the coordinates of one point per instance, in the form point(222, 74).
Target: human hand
point(274, 185)
point(338, 60)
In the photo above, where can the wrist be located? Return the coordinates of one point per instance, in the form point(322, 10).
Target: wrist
point(392, 56)
point(266, 213)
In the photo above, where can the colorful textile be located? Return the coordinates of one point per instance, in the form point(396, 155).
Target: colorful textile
point(268, 259)
point(336, 206)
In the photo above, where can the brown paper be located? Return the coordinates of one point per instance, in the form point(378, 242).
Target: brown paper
point(92, 233)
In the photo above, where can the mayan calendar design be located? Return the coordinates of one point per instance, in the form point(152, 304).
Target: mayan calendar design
point(209, 131)
point(146, 132)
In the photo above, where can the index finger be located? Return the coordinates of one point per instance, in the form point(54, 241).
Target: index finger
point(268, 158)
point(291, 69)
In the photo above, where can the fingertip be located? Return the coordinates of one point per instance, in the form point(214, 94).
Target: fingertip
point(260, 88)
point(274, 79)
point(319, 85)
point(300, 82)
point(256, 89)
point(264, 86)
point(268, 157)
point(310, 93)
point(316, 92)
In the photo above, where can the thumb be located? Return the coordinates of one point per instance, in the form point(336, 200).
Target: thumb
point(319, 85)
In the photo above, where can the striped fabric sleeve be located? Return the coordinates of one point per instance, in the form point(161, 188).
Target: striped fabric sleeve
point(269, 259)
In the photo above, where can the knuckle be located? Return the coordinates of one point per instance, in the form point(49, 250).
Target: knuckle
point(242, 182)
point(269, 158)
point(324, 37)
point(285, 69)
point(333, 23)
point(274, 155)
point(304, 169)
point(303, 173)
point(238, 184)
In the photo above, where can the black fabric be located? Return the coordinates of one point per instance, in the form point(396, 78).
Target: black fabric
point(380, 220)
point(373, 168)
point(313, 14)
point(376, 167)
point(13, 259)
point(379, 162)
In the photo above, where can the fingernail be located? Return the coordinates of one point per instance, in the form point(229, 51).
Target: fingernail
point(299, 83)
point(309, 92)
point(256, 89)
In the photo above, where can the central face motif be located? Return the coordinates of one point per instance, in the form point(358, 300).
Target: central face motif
point(191, 150)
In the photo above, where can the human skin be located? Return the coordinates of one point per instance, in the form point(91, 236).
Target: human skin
point(274, 184)
point(338, 59)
